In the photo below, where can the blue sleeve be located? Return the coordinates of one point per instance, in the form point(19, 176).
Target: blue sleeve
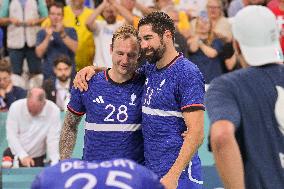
point(191, 88)
point(71, 32)
point(220, 102)
point(4, 10)
point(75, 104)
point(15, 94)
point(36, 183)
point(217, 44)
point(1, 37)
point(150, 180)
point(40, 37)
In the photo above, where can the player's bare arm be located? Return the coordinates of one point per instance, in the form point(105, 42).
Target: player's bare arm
point(68, 134)
point(192, 140)
point(84, 75)
point(227, 154)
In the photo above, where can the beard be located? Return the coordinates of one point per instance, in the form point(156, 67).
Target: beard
point(156, 54)
point(63, 78)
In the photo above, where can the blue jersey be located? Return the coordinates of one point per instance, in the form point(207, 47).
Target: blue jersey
point(112, 174)
point(167, 93)
point(253, 100)
point(113, 118)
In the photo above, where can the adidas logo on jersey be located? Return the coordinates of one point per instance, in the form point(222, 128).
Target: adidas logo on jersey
point(99, 100)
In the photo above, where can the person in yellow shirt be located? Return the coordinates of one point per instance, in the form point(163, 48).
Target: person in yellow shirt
point(75, 16)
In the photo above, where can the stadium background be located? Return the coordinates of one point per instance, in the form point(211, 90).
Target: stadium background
point(21, 178)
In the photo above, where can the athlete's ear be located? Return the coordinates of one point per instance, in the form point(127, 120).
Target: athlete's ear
point(168, 34)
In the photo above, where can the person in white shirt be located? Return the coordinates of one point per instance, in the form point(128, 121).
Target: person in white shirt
point(103, 31)
point(33, 128)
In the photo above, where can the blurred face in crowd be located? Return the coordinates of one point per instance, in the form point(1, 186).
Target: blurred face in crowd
point(128, 4)
point(125, 53)
point(214, 9)
point(174, 16)
point(5, 79)
point(62, 71)
point(152, 45)
point(109, 14)
point(202, 25)
point(55, 15)
point(78, 3)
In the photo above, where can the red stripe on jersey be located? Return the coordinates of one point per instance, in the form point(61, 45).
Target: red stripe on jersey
point(74, 111)
point(193, 105)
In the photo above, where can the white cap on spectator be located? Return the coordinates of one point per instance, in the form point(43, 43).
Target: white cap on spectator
point(255, 29)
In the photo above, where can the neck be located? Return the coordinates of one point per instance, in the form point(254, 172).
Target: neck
point(168, 56)
point(63, 83)
point(117, 77)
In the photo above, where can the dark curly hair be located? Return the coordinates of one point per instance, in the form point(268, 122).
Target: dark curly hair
point(160, 22)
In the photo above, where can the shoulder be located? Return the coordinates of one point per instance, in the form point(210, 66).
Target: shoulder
point(187, 68)
point(18, 104)
point(97, 80)
point(52, 107)
point(87, 11)
point(19, 89)
point(41, 33)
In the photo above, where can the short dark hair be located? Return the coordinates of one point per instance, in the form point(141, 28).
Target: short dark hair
point(125, 31)
point(5, 66)
point(160, 22)
point(62, 58)
point(58, 5)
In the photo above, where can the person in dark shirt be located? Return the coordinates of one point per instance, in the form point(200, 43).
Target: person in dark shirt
point(8, 92)
point(246, 107)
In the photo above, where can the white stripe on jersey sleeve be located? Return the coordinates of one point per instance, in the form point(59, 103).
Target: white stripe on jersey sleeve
point(159, 112)
point(112, 127)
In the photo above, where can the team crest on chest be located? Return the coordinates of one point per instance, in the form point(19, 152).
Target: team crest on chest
point(132, 99)
point(161, 84)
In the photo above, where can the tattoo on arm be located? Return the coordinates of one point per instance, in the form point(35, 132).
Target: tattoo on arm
point(68, 134)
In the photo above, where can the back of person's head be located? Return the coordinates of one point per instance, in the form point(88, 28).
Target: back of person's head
point(36, 100)
point(256, 32)
point(160, 23)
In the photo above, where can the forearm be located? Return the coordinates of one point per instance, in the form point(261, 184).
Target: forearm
point(68, 135)
point(38, 21)
point(189, 147)
point(228, 161)
point(208, 51)
point(15, 146)
point(4, 21)
point(69, 42)
point(192, 141)
point(144, 9)
point(41, 48)
point(91, 25)
point(129, 17)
